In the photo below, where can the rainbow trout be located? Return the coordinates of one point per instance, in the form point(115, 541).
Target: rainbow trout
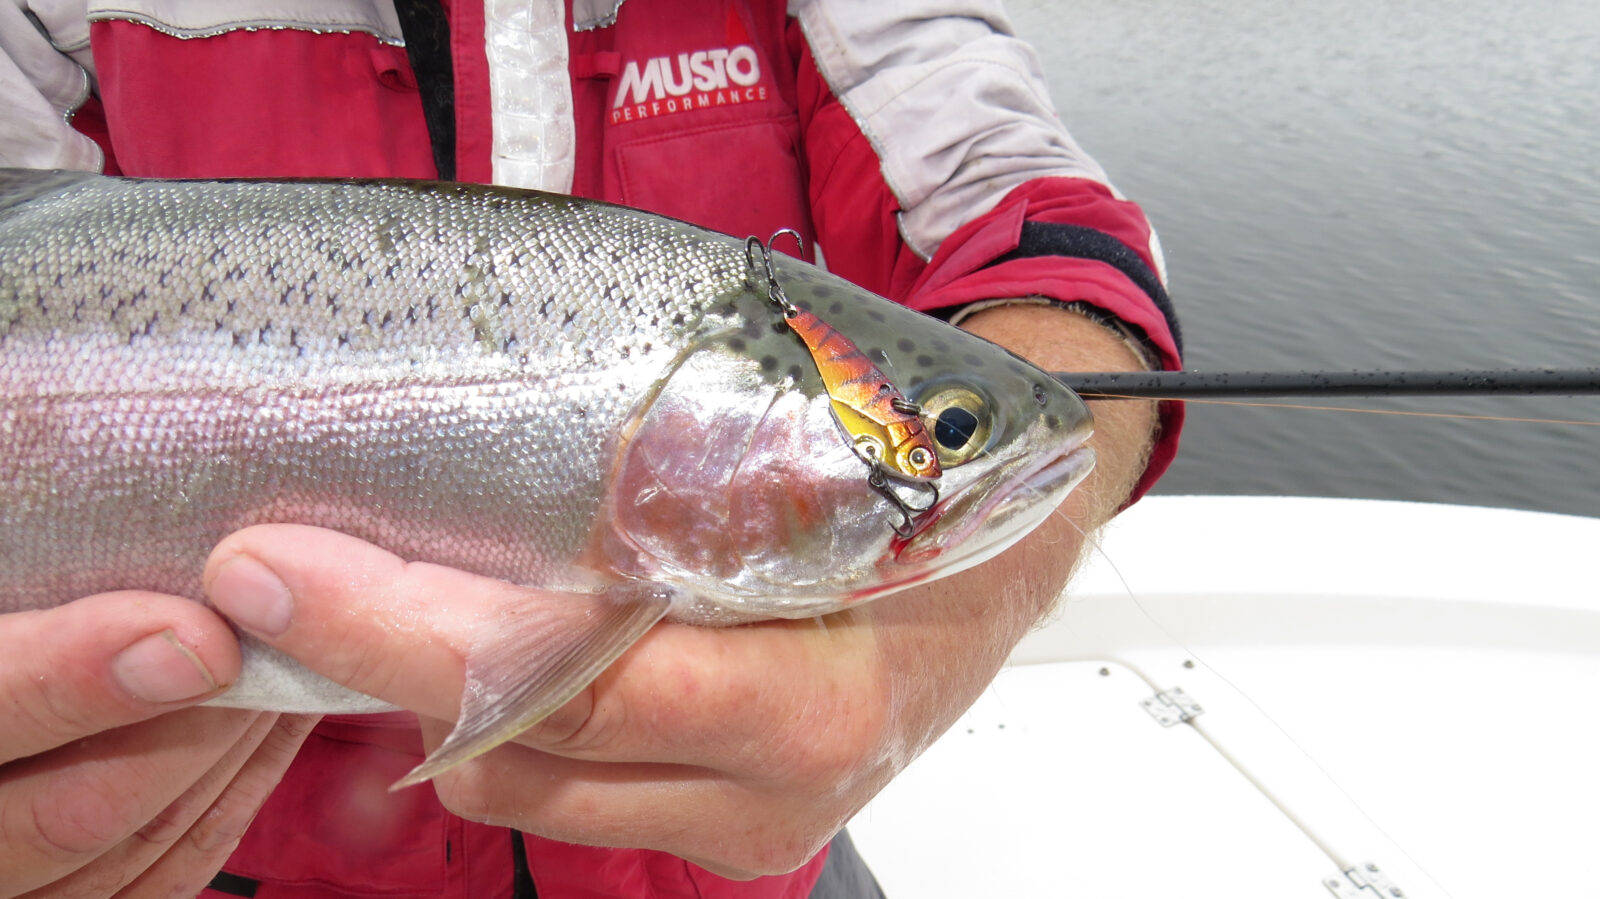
point(644, 417)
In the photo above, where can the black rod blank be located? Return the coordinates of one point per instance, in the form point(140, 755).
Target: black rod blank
point(1199, 385)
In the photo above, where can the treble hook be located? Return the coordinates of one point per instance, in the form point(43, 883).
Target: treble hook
point(774, 289)
point(908, 525)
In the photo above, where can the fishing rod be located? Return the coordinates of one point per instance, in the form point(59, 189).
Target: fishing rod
point(1196, 384)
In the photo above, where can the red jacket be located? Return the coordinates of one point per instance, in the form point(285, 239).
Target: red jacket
point(882, 141)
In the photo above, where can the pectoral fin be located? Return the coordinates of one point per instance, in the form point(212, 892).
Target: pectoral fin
point(536, 660)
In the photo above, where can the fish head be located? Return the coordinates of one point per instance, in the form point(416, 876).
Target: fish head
point(738, 481)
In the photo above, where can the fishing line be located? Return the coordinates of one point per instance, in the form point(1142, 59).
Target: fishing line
point(1312, 408)
point(1240, 767)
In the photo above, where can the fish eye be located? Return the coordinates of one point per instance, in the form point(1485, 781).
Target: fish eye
point(962, 423)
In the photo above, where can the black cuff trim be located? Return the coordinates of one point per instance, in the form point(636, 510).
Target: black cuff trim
point(1078, 242)
point(233, 884)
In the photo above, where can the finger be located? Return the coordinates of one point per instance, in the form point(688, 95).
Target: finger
point(105, 661)
point(122, 863)
point(779, 699)
point(726, 826)
point(400, 631)
point(355, 613)
point(61, 810)
point(190, 863)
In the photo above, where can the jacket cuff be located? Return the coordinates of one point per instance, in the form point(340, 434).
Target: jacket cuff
point(1004, 254)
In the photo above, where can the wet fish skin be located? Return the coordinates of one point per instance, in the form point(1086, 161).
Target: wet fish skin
point(556, 392)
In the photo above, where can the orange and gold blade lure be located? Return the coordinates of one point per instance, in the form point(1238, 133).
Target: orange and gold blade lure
point(885, 426)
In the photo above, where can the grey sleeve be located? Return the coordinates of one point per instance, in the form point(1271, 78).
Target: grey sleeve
point(954, 104)
point(41, 86)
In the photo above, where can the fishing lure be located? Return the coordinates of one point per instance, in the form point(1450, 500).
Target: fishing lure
point(885, 428)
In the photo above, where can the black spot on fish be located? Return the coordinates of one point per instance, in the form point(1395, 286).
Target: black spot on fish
point(972, 360)
point(822, 291)
point(751, 329)
point(1052, 421)
point(778, 327)
point(795, 373)
point(836, 307)
point(905, 344)
point(925, 360)
point(875, 315)
point(737, 344)
point(769, 363)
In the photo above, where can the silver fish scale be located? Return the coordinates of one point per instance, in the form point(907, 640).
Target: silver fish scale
point(439, 369)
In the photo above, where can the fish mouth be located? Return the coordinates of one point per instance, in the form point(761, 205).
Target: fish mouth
point(992, 513)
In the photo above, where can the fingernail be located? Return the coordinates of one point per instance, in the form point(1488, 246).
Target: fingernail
point(158, 668)
point(249, 593)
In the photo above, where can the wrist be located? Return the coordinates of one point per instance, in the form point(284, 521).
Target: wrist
point(1062, 338)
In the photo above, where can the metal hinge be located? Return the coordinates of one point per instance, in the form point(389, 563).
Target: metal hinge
point(1362, 882)
point(1171, 707)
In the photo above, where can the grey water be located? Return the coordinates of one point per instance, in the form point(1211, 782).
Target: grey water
point(1359, 184)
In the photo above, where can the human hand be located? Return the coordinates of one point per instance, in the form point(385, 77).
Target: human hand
point(109, 783)
point(743, 749)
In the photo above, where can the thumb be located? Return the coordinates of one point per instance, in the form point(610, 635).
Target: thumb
point(105, 661)
point(353, 612)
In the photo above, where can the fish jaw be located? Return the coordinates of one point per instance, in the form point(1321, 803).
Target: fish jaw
point(990, 515)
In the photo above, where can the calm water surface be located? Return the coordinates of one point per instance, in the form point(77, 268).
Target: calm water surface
point(1360, 185)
